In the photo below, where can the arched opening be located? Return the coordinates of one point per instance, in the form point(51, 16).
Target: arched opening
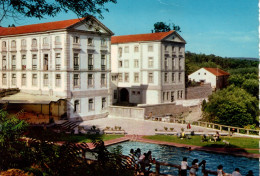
point(124, 95)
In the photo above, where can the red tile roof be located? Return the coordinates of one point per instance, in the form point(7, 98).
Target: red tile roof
point(140, 37)
point(37, 27)
point(216, 71)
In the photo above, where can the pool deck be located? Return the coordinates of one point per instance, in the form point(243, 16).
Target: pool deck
point(139, 138)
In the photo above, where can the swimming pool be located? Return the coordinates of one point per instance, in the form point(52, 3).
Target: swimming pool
point(174, 155)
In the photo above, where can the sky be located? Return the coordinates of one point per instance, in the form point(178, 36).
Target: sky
point(227, 28)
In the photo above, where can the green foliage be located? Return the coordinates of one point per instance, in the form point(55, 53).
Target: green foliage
point(231, 106)
point(40, 8)
point(251, 86)
point(163, 27)
point(237, 80)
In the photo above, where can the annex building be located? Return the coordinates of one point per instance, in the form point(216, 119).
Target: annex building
point(148, 68)
point(61, 68)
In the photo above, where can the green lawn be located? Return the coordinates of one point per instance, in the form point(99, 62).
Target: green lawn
point(235, 142)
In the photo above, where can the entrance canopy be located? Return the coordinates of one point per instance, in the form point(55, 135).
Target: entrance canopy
point(25, 98)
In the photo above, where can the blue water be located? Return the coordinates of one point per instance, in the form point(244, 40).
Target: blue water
point(174, 155)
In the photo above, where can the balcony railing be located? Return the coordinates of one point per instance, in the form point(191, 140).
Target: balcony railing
point(4, 67)
point(166, 52)
point(58, 66)
point(4, 49)
point(103, 67)
point(90, 67)
point(23, 48)
point(103, 48)
point(13, 67)
point(76, 67)
point(34, 67)
point(34, 48)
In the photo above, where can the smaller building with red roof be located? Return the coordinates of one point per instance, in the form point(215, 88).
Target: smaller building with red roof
point(215, 76)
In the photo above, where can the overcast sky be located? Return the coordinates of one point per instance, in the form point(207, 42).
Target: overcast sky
point(227, 28)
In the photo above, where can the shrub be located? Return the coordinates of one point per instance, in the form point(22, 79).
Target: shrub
point(171, 129)
point(165, 128)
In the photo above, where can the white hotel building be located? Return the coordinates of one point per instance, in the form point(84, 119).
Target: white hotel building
point(63, 60)
point(148, 68)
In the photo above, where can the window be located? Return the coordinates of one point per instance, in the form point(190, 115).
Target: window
point(34, 42)
point(57, 40)
point(120, 51)
point(113, 78)
point(126, 49)
point(76, 61)
point(173, 49)
point(13, 43)
point(103, 79)
point(198, 73)
point(126, 77)
point(166, 48)
point(133, 92)
point(90, 61)
point(150, 78)
point(165, 77)
point(13, 62)
point(103, 42)
point(180, 94)
point(23, 43)
point(172, 96)
point(76, 106)
point(173, 63)
point(4, 44)
point(34, 79)
point(45, 41)
point(4, 79)
point(45, 61)
point(179, 77)
point(90, 104)
point(45, 80)
point(120, 77)
point(90, 41)
point(23, 79)
point(138, 92)
point(150, 48)
point(23, 62)
point(13, 79)
point(76, 39)
point(58, 80)
point(167, 96)
point(76, 80)
point(136, 77)
point(34, 62)
point(150, 62)
point(165, 63)
point(136, 63)
point(173, 77)
point(126, 64)
point(180, 63)
point(120, 64)
point(57, 61)
point(164, 98)
point(103, 62)
point(90, 80)
point(115, 94)
point(205, 73)
point(104, 102)
point(4, 63)
point(136, 49)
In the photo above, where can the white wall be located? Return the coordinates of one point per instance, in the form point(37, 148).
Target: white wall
point(205, 75)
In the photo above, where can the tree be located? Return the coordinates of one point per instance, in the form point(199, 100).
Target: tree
point(231, 106)
point(251, 86)
point(41, 8)
point(163, 27)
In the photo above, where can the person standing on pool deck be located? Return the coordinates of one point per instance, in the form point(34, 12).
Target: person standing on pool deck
point(236, 172)
point(194, 167)
point(184, 167)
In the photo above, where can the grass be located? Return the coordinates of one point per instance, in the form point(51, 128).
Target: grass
point(235, 142)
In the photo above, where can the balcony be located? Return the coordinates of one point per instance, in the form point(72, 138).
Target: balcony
point(76, 67)
point(76, 46)
point(34, 67)
point(90, 67)
point(23, 67)
point(34, 48)
point(174, 53)
point(91, 47)
point(23, 48)
point(13, 48)
point(13, 67)
point(4, 49)
point(166, 52)
point(103, 67)
point(181, 54)
point(45, 46)
point(103, 48)
point(58, 66)
point(4, 67)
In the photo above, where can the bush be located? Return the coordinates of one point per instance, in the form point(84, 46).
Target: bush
point(165, 128)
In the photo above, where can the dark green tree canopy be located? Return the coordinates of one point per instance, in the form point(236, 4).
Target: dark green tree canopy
point(41, 8)
point(163, 27)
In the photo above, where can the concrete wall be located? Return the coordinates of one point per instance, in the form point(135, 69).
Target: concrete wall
point(130, 112)
point(202, 91)
point(163, 109)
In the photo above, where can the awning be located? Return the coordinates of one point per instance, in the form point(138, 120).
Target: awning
point(25, 98)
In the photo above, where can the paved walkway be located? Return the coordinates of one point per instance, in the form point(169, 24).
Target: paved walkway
point(140, 127)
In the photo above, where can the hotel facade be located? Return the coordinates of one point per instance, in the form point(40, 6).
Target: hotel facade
point(148, 68)
point(62, 68)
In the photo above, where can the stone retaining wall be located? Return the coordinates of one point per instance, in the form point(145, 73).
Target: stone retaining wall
point(202, 91)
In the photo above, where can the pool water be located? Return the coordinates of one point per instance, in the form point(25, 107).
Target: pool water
point(175, 155)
